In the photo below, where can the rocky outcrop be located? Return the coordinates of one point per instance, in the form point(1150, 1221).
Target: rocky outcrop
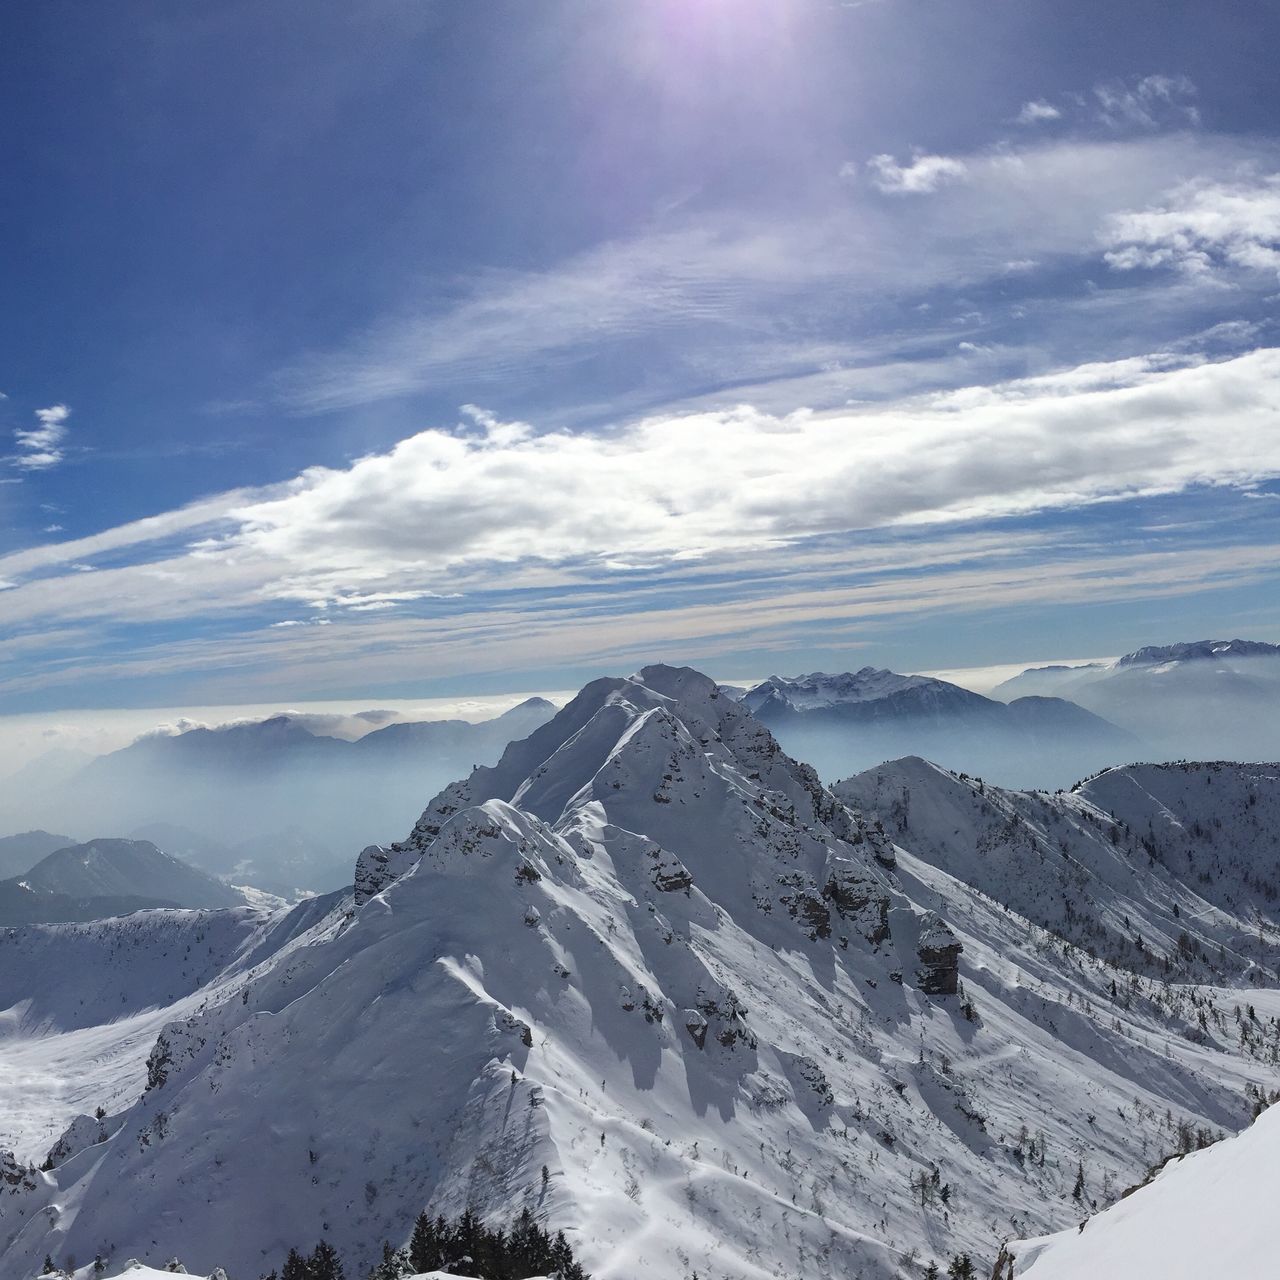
point(15, 1177)
point(859, 898)
point(939, 951)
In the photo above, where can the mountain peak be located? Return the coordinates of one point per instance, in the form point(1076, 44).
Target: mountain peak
point(1198, 650)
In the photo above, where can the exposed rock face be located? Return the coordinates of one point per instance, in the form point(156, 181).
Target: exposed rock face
point(939, 952)
point(15, 1177)
point(859, 899)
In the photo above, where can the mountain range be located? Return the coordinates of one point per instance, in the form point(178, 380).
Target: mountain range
point(649, 978)
point(1204, 699)
point(846, 722)
point(301, 798)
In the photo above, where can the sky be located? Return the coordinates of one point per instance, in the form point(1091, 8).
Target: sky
point(408, 349)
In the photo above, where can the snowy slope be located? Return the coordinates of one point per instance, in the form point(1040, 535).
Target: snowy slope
point(1210, 1213)
point(1146, 852)
point(81, 1005)
point(647, 977)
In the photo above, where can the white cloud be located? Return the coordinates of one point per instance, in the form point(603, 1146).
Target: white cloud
point(1148, 103)
point(1201, 227)
point(693, 485)
point(922, 175)
point(498, 506)
point(1037, 112)
point(41, 447)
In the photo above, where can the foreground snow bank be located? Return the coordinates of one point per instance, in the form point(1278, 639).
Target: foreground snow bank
point(1210, 1213)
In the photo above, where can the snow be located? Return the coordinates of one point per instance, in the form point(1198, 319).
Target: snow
point(1181, 856)
point(646, 977)
point(820, 690)
point(1209, 1213)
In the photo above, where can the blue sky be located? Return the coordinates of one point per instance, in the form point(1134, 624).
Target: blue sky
point(406, 349)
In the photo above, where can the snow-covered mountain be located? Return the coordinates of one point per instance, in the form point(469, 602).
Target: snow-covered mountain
point(1162, 869)
point(1207, 1213)
point(649, 978)
point(843, 723)
point(1203, 699)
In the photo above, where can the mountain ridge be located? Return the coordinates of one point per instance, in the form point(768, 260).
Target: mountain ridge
point(647, 977)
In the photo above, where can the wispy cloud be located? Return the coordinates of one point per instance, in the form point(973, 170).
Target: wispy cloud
point(1139, 103)
point(722, 300)
point(1037, 111)
point(1149, 103)
point(41, 447)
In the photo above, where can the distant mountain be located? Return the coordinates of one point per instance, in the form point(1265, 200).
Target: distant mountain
point(107, 878)
point(271, 803)
point(1200, 699)
point(21, 852)
point(842, 723)
point(128, 868)
point(1199, 651)
point(866, 695)
point(455, 737)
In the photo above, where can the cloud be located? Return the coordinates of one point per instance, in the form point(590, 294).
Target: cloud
point(1037, 112)
point(1148, 103)
point(922, 175)
point(670, 488)
point(718, 299)
point(769, 616)
point(492, 507)
point(1202, 227)
point(41, 447)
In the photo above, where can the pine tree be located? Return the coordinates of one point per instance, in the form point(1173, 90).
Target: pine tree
point(961, 1268)
point(424, 1245)
point(1077, 1192)
point(931, 1271)
point(393, 1266)
point(49, 1268)
point(466, 1236)
point(325, 1263)
point(296, 1267)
